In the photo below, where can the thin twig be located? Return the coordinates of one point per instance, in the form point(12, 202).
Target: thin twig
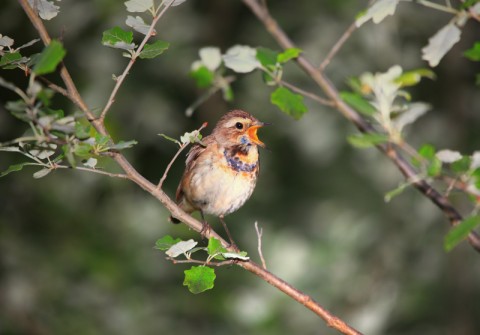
point(259, 238)
point(81, 168)
point(182, 147)
point(437, 6)
point(307, 94)
point(195, 261)
point(336, 47)
point(121, 78)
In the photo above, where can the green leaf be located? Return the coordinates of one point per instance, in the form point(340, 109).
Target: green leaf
point(166, 242)
point(215, 247)
point(411, 78)
point(267, 57)
point(459, 232)
point(288, 54)
point(118, 38)
point(154, 49)
point(191, 137)
point(473, 53)
point(357, 102)
point(227, 92)
point(14, 168)
point(82, 131)
point(288, 102)
point(9, 58)
point(462, 165)
point(427, 151)
point(203, 76)
point(367, 140)
point(83, 149)
point(123, 145)
point(68, 152)
point(199, 279)
point(435, 167)
point(49, 58)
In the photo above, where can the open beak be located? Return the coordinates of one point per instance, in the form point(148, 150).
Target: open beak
point(252, 133)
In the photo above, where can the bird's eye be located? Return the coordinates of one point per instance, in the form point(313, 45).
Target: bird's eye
point(239, 125)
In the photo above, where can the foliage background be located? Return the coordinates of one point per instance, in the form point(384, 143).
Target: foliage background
point(76, 250)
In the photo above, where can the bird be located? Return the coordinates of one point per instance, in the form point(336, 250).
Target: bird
point(222, 170)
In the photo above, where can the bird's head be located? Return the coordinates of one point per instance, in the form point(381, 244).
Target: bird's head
point(238, 128)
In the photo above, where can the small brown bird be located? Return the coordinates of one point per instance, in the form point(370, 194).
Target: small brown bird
point(222, 171)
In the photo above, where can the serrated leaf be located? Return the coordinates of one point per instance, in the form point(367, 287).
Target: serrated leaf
point(181, 248)
point(367, 140)
point(378, 11)
point(448, 156)
point(460, 232)
point(118, 38)
point(474, 52)
point(289, 102)
point(138, 6)
point(166, 242)
point(49, 58)
point(41, 173)
point(267, 57)
point(288, 54)
point(211, 57)
point(358, 102)
point(47, 10)
point(203, 77)
point(440, 43)
point(137, 24)
point(121, 145)
point(199, 279)
point(241, 59)
point(153, 50)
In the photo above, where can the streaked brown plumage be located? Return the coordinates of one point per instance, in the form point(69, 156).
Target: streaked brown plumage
point(221, 173)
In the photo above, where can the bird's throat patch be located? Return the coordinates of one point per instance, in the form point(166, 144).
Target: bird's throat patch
point(237, 164)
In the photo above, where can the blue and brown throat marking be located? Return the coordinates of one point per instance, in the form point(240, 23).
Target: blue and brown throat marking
point(236, 164)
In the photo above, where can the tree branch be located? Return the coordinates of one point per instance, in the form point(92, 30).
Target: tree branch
point(330, 91)
point(336, 47)
point(134, 57)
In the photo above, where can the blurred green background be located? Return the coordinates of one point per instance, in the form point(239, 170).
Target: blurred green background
point(76, 249)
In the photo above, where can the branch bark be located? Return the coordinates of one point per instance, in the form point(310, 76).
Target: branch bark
point(332, 93)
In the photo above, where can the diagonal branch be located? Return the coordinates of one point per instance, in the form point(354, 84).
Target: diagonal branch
point(330, 90)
